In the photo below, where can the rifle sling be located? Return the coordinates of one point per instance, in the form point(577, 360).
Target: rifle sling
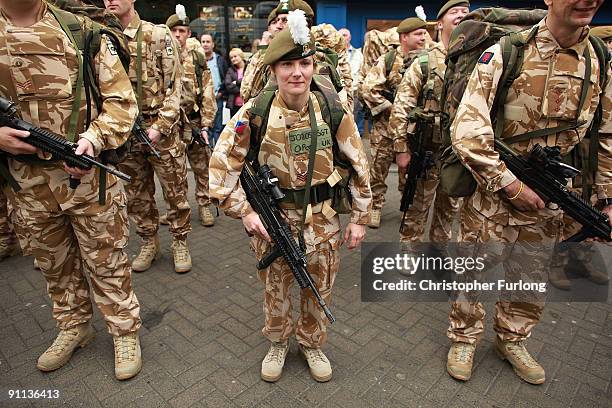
point(139, 68)
point(314, 130)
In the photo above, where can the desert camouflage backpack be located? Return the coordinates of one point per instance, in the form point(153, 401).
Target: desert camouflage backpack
point(478, 31)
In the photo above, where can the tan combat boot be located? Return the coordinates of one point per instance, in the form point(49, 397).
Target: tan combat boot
point(320, 368)
point(64, 345)
point(182, 258)
point(460, 360)
point(374, 221)
point(9, 247)
point(128, 357)
point(273, 362)
point(163, 220)
point(523, 364)
point(149, 252)
point(206, 217)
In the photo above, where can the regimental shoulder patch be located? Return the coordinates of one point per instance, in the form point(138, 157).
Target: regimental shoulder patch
point(486, 57)
point(111, 48)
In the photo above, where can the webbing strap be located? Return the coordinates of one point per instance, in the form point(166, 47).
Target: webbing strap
point(76, 105)
point(139, 68)
point(314, 130)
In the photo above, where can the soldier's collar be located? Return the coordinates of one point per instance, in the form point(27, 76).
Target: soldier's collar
point(283, 105)
point(132, 28)
point(547, 45)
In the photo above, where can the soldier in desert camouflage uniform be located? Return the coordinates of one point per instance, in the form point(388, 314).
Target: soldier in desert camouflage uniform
point(157, 83)
point(378, 90)
point(605, 33)
point(288, 114)
point(417, 91)
point(8, 240)
point(255, 74)
point(198, 106)
point(503, 209)
point(325, 36)
point(70, 232)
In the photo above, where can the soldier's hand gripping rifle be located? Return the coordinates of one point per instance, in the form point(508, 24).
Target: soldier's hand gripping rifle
point(57, 146)
point(196, 137)
point(420, 162)
point(140, 133)
point(263, 195)
point(542, 170)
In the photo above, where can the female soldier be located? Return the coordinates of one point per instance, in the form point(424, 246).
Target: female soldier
point(281, 146)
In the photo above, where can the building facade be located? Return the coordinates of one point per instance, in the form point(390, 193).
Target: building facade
point(236, 23)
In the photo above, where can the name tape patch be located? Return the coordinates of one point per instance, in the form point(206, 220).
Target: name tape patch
point(299, 140)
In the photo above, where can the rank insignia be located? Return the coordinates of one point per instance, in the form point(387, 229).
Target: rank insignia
point(486, 57)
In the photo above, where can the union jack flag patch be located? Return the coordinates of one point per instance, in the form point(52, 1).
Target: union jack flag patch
point(240, 126)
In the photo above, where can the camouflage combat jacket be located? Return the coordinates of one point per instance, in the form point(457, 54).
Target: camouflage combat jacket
point(38, 70)
point(191, 92)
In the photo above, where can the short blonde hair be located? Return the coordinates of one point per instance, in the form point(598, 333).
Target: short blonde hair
point(238, 52)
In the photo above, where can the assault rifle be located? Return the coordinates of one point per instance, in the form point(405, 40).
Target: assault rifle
point(57, 146)
point(420, 162)
point(544, 172)
point(263, 194)
point(139, 132)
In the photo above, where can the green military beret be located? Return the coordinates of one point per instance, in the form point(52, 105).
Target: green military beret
point(272, 16)
point(603, 32)
point(178, 19)
point(283, 47)
point(286, 6)
point(450, 4)
point(410, 24)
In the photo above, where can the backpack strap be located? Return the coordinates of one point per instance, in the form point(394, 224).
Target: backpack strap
point(427, 90)
point(332, 112)
point(258, 120)
point(389, 60)
point(590, 165)
point(72, 27)
point(197, 62)
point(139, 68)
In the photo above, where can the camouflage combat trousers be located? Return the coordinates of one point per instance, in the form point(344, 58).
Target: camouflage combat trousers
point(381, 148)
point(199, 157)
point(311, 328)
point(171, 170)
point(69, 245)
point(513, 321)
point(445, 209)
point(6, 227)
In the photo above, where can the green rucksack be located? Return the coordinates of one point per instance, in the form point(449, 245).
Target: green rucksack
point(332, 111)
point(477, 32)
point(87, 38)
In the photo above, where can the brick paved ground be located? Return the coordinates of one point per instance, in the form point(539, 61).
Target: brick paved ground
point(202, 344)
